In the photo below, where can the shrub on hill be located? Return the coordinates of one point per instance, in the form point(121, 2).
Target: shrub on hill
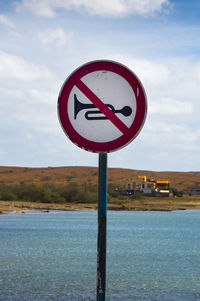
point(48, 193)
point(137, 196)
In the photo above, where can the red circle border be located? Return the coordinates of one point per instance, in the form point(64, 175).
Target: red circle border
point(141, 108)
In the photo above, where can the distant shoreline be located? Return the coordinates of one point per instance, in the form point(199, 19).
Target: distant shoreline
point(145, 204)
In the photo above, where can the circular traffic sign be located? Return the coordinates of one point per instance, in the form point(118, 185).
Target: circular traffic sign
point(102, 106)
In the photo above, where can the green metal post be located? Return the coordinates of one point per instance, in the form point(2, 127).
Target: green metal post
point(102, 223)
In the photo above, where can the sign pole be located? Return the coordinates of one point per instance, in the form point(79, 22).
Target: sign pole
point(102, 223)
point(102, 107)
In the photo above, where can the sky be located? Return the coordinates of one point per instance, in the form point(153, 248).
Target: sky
point(43, 42)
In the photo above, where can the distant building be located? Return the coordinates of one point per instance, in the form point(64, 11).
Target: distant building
point(147, 186)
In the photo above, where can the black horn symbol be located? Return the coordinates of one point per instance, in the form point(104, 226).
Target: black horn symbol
point(78, 106)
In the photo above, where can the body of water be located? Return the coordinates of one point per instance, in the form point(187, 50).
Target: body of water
point(151, 256)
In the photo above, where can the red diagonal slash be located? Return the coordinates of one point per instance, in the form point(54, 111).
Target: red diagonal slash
point(102, 107)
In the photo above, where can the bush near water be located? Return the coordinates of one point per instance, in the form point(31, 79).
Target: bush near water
point(49, 193)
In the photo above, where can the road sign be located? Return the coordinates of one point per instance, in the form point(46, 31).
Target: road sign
point(102, 106)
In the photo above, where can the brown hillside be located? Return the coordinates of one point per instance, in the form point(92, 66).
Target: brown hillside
point(82, 174)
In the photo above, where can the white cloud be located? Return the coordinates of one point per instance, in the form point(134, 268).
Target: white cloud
point(58, 37)
point(197, 71)
point(167, 106)
point(150, 72)
point(171, 136)
point(15, 67)
point(40, 8)
point(5, 21)
point(41, 96)
point(5, 92)
point(114, 8)
point(165, 128)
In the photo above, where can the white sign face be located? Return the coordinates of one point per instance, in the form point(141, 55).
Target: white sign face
point(115, 92)
point(102, 106)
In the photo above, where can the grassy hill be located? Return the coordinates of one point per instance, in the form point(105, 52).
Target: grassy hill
point(70, 188)
point(62, 176)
